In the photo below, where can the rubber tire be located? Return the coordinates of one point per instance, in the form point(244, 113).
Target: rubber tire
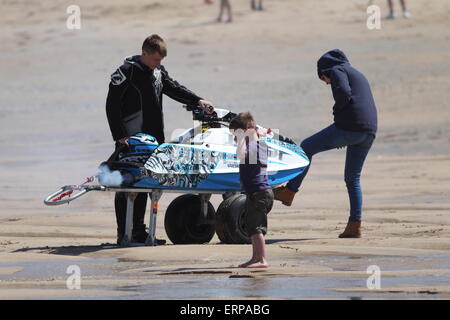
point(230, 220)
point(181, 218)
point(229, 194)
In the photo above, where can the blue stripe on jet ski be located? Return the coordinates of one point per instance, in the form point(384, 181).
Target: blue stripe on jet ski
point(221, 181)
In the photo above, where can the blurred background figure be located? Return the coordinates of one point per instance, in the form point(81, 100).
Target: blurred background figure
point(392, 14)
point(208, 1)
point(255, 7)
point(225, 5)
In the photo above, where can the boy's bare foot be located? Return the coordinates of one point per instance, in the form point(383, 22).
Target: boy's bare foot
point(244, 265)
point(254, 264)
point(258, 265)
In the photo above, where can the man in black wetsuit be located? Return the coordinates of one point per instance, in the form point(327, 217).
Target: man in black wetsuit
point(134, 104)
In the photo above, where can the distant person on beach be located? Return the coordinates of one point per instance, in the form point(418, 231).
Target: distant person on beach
point(225, 5)
point(257, 7)
point(134, 104)
point(354, 127)
point(253, 154)
point(392, 14)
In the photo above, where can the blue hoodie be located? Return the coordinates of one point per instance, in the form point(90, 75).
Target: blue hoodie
point(354, 108)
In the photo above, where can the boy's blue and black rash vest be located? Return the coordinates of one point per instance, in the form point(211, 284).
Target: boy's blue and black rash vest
point(253, 171)
point(135, 87)
point(354, 108)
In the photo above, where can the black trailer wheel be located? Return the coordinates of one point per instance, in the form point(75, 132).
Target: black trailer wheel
point(184, 223)
point(230, 220)
point(228, 194)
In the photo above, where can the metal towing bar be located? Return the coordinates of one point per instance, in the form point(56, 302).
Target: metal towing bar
point(69, 193)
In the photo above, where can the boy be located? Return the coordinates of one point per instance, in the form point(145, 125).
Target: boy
point(253, 174)
point(354, 127)
point(135, 93)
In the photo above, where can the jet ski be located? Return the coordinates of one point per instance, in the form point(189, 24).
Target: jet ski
point(199, 162)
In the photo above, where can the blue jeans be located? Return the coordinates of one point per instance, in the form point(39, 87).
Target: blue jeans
point(358, 145)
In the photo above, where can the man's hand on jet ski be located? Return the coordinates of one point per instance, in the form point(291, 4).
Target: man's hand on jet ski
point(124, 141)
point(206, 106)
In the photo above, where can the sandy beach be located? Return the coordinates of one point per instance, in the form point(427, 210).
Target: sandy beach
point(54, 132)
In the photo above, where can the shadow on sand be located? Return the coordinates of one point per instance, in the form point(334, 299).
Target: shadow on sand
point(69, 250)
point(79, 250)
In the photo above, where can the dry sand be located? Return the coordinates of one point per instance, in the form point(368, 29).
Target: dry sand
point(54, 132)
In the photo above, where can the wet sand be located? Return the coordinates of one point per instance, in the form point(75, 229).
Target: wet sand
point(54, 132)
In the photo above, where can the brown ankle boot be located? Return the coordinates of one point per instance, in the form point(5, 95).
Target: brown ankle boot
point(352, 230)
point(284, 195)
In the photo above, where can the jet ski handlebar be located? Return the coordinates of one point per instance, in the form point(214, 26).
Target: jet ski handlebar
point(222, 116)
point(219, 115)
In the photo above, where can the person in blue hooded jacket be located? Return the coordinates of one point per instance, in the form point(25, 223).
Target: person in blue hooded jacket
point(354, 127)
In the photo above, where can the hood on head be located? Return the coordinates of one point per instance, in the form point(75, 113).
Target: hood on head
point(329, 60)
point(135, 60)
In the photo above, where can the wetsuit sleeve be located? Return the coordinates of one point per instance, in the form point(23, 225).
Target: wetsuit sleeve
point(176, 91)
point(114, 102)
point(340, 86)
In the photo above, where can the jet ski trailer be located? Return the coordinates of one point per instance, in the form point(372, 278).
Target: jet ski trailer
point(200, 162)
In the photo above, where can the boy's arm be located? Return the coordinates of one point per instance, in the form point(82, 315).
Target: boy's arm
point(117, 88)
point(176, 91)
point(261, 131)
point(241, 148)
point(342, 92)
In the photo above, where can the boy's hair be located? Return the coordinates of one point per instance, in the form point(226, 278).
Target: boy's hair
point(243, 120)
point(155, 44)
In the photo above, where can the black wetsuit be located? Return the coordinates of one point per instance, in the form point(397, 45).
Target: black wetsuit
point(135, 89)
